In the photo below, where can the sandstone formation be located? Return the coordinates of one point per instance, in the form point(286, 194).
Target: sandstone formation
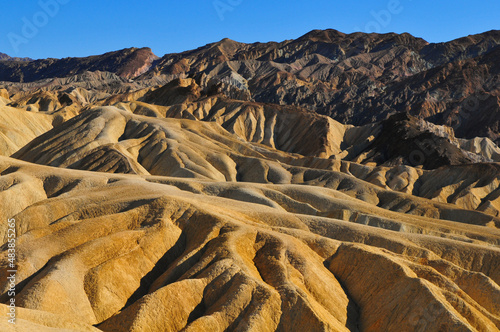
point(18, 127)
point(131, 253)
point(317, 184)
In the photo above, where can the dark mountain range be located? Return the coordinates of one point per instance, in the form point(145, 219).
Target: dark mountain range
point(354, 78)
point(358, 78)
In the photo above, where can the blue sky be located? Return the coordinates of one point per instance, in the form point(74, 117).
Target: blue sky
point(64, 28)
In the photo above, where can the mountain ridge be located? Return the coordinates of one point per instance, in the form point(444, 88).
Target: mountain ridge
point(126, 63)
point(313, 35)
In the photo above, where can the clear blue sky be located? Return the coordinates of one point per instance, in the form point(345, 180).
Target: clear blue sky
point(81, 28)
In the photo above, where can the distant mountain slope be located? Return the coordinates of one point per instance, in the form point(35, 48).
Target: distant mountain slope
point(126, 63)
point(4, 56)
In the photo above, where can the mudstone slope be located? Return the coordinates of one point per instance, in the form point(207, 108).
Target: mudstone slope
point(329, 183)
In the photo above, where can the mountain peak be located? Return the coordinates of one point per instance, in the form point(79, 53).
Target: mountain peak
point(228, 43)
point(139, 62)
point(328, 35)
point(5, 57)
